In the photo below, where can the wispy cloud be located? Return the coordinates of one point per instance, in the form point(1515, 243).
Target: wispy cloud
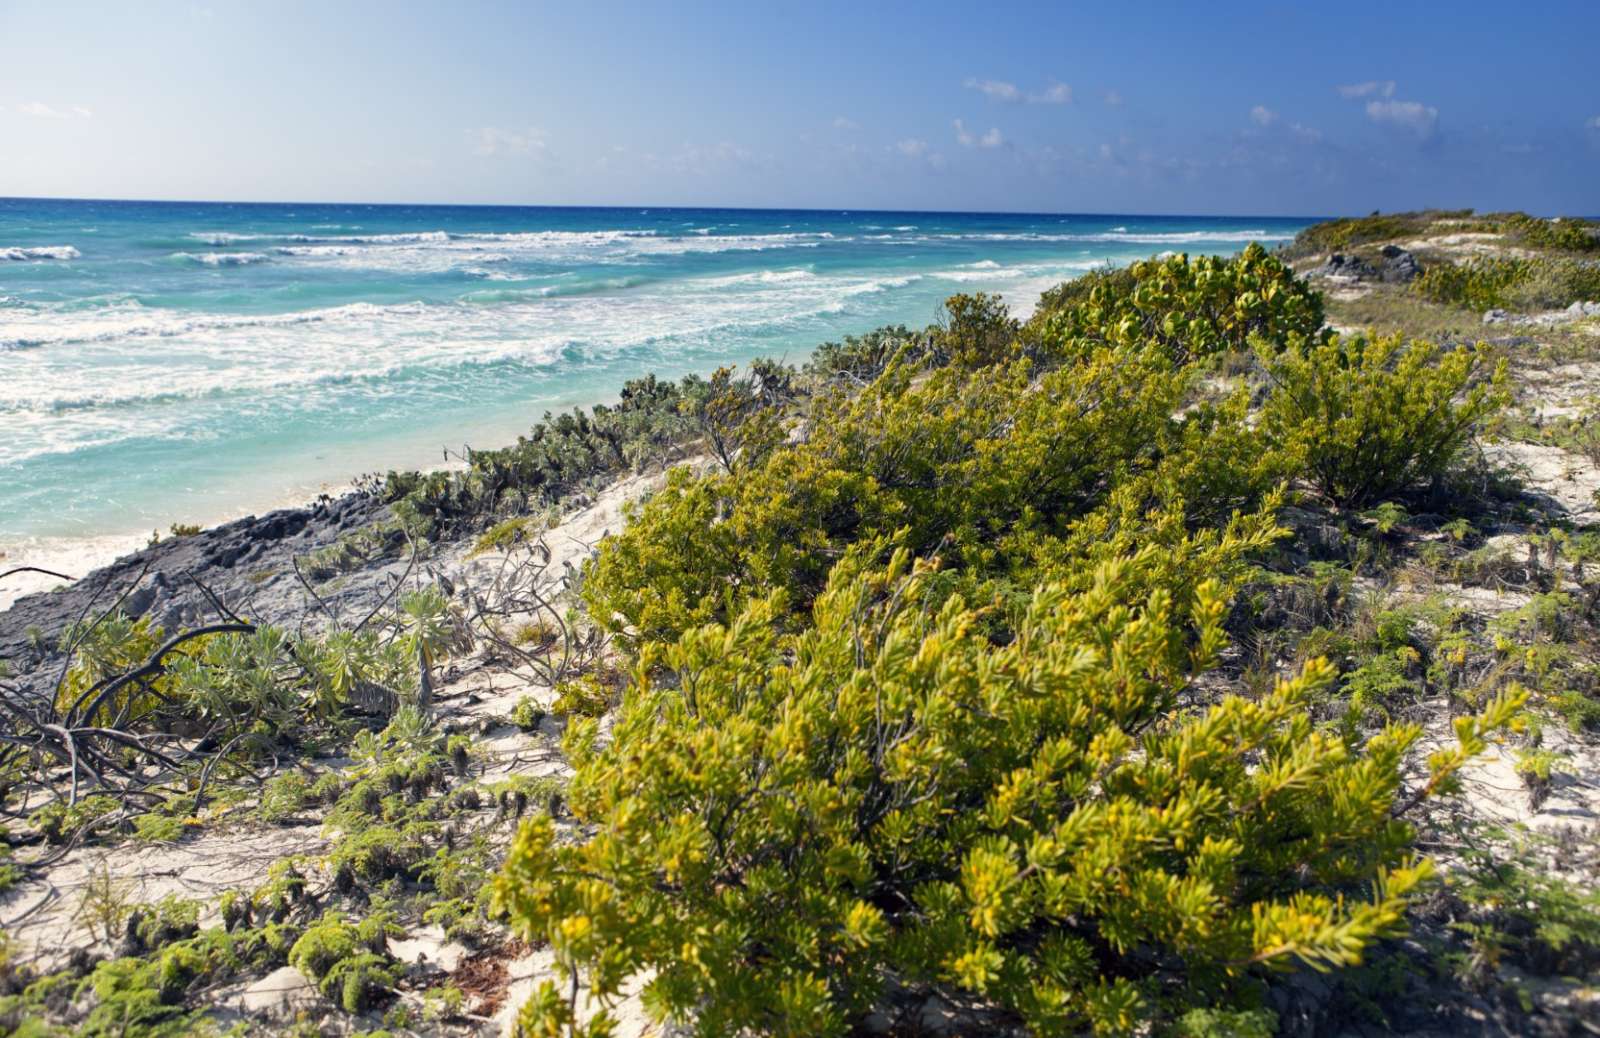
point(1054, 94)
point(1261, 115)
point(40, 110)
point(1111, 98)
point(1413, 116)
point(843, 123)
point(1000, 90)
point(1305, 133)
point(1593, 123)
point(1371, 88)
point(967, 139)
point(918, 150)
point(994, 89)
point(490, 141)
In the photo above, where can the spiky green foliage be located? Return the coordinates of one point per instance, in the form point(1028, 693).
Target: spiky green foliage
point(993, 467)
point(1371, 419)
point(782, 823)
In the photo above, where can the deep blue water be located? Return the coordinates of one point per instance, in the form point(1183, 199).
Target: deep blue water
point(184, 362)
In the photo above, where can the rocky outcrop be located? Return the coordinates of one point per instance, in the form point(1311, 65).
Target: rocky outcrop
point(1394, 266)
point(247, 564)
point(1398, 266)
point(1345, 268)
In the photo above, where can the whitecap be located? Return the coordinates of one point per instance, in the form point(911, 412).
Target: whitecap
point(222, 259)
point(40, 252)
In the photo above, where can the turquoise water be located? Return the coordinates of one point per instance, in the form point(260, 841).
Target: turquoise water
point(186, 362)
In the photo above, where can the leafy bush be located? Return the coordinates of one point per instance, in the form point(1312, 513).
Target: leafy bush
point(860, 359)
point(562, 454)
point(1370, 419)
point(1566, 234)
point(1479, 284)
point(990, 467)
point(780, 824)
point(1190, 309)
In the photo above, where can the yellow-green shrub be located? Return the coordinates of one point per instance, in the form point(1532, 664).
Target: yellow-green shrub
point(780, 824)
point(1369, 419)
point(983, 466)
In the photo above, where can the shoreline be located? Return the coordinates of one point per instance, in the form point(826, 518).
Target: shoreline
point(82, 556)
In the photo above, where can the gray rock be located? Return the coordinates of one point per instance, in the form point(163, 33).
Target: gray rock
point(1345, 268)
point(1583, 309)
point(1398, 265)
point(1496, 316)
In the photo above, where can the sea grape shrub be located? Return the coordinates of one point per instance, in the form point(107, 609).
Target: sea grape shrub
point(984, 467)
point(1369, 420)
point(780, 825)
point(1190, 309)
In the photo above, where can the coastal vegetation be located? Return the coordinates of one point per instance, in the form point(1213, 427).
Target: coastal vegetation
point(1124, 669)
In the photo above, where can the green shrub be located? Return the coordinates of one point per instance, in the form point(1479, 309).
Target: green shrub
point(1479, 284)
point(562, 454)
point(1188, 309)
point(1566, 234)
point(1556, 283)
point(991, 467)
point(860, 359)
point(779, 823)
point(1371, 419)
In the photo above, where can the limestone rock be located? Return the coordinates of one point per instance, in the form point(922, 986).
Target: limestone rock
point(280, 995)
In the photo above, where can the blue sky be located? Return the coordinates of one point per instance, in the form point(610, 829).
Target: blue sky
point(1269, 108)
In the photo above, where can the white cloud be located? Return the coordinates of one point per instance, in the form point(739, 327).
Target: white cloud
point(1000, 90)
point(1305, 133)
point(40, 110)
point(842, 123)
point(1111, 98)
point(967, 139)
point(1261, 115)
point(493, 140)
point(1371, 88)
point(994, 89)
point(1055, 94)
point(1593, 123)
point(1414, 116)
point(912, 147)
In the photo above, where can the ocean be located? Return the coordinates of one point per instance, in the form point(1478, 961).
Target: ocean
point(174, 362)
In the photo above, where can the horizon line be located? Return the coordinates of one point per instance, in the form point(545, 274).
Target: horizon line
point(839, 210)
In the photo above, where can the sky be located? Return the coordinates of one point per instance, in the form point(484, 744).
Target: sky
point(1231, 108)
